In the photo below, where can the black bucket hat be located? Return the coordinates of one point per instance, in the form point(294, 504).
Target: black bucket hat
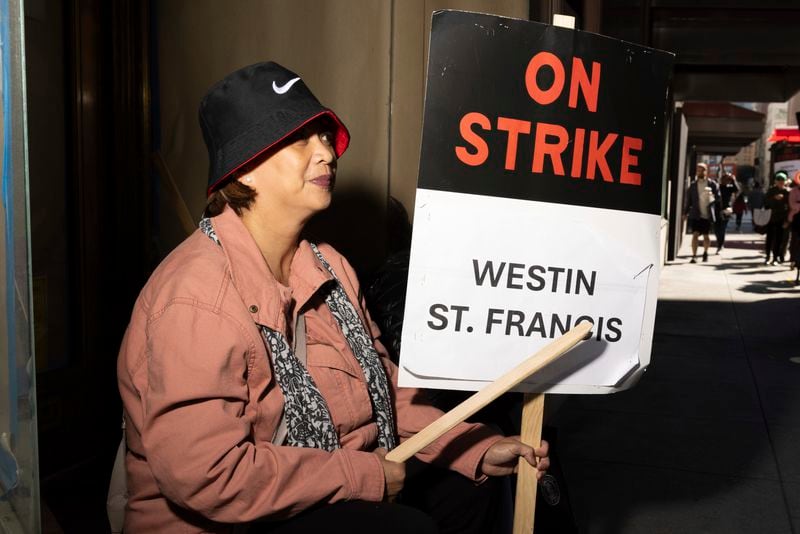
point(252, 110)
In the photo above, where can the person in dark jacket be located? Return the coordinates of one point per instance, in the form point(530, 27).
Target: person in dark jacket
point(776, 200)
point(728, 191)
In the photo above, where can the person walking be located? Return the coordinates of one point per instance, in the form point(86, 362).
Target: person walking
point(777, 201)
point(739, 209)
point(755, 197)
point(702, 198)
point(728, 192)
point(755, 201)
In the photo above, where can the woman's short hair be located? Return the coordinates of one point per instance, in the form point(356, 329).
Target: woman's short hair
point(234, 194)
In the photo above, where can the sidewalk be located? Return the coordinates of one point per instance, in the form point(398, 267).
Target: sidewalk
point(709, 440)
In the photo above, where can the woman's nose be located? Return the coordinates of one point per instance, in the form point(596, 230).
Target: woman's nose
point(323, 149)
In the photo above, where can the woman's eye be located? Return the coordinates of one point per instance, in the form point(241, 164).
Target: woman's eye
point(327, 138)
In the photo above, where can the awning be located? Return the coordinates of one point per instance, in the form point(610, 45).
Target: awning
point(790, 135)
point(721, 127)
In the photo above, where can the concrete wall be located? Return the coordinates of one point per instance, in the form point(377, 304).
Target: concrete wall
point(366, 59)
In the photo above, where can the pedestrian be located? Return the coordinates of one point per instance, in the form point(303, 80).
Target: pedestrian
point(702, 199)
point(755, 197)
point(728, 192)
point(256, 394)
point(739, 209)
point(777, 201)
point(755, 201)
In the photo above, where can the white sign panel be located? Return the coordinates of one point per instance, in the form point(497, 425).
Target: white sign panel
point(472, 312)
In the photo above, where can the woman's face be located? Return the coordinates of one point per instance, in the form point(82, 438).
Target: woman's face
point(299, 176)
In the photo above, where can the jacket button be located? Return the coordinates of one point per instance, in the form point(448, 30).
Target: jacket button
point(253, 308)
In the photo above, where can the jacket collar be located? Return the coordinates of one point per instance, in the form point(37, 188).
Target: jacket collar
point(265, 298)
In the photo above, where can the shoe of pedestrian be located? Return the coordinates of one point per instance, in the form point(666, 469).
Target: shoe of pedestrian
point(780, 260)
point(773, 262)
point(693, 260)
point(705, 256)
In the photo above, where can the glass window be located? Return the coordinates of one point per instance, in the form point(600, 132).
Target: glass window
point(19, 488)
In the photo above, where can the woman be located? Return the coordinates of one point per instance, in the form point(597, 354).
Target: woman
point(255, 391)
point(739, 209)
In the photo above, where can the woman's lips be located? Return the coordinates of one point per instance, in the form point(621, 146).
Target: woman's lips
point(326, 180)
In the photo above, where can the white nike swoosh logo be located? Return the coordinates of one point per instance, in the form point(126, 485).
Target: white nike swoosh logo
point(285, 87)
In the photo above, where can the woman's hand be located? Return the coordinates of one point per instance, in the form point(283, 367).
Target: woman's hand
point(502, 457)
point(394, 473)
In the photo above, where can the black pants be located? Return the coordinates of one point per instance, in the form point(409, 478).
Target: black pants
point(433, 501)
point(720, 229)
point(774, 244)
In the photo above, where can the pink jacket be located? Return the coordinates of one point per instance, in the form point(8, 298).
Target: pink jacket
point(202, 406)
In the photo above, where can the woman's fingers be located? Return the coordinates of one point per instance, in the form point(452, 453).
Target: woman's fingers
point(503, 457)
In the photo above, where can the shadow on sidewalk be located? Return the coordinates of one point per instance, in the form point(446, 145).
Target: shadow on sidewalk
point(769, 287)
point(706, 442)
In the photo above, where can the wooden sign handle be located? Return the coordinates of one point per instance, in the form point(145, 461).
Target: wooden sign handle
point(548, 354)
point(525, 504)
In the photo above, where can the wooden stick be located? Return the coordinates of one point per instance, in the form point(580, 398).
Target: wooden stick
point(181, 210)
point(525, 505)
point(430, 433)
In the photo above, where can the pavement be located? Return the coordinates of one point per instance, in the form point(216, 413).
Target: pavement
point(709, 440)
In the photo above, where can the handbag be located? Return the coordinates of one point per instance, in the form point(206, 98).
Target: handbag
point(761, 216)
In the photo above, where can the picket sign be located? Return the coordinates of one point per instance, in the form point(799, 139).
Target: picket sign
point(538, 205)
point(538, 208)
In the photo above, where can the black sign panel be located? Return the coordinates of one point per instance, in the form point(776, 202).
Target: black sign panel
point(523, 110)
